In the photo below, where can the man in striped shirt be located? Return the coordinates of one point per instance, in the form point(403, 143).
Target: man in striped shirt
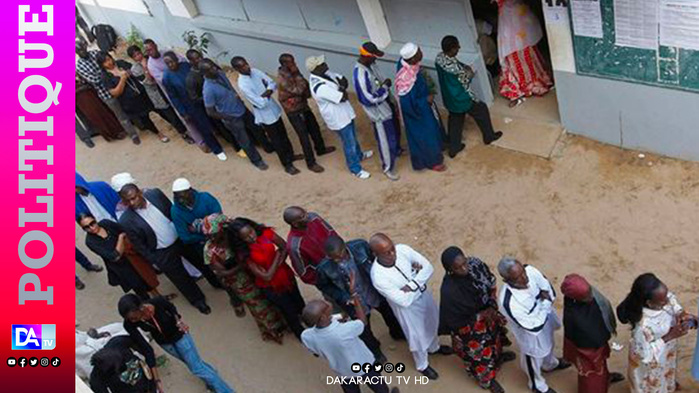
point(526, 299)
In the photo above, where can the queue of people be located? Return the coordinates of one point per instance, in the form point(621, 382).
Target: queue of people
point(198, 100)
point(138, 230)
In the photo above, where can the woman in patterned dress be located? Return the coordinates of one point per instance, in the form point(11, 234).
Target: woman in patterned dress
point(524, 72)
point(235, 276)
point(469, 312)
point(657, 320)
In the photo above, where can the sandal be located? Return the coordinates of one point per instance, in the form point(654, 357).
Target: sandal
point(495, 387)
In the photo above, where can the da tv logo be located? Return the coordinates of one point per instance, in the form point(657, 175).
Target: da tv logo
point(33, 337)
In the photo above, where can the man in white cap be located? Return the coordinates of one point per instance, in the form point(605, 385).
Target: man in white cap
point(146, 220)
point(330, 92)
point(189, 205)
point(422, 126)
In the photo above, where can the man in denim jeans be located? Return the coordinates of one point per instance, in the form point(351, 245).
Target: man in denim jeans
point(160, 318)
point(330, 92)
point(222, 102)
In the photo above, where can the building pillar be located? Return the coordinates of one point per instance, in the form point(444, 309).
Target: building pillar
point(182, 8)
point(375, 22)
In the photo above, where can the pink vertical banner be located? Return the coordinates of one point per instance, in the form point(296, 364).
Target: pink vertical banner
point(37, 111)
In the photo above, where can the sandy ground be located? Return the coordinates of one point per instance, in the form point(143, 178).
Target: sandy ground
point(592, 209)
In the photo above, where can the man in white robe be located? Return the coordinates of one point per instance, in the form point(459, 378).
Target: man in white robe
point(526, 300)
point(400, 274)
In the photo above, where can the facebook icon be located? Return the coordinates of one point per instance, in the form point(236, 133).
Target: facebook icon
point(33, 337)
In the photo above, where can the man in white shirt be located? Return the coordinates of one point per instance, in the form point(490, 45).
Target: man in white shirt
point(150, 230)
point(330, 92)
point(339, 343)
point(400, 274)
point(258, 88)
point(526, 299)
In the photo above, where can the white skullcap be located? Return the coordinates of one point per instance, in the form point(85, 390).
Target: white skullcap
point(181, 184)
point(408, 50)
point(121, 179)
point(314, 61)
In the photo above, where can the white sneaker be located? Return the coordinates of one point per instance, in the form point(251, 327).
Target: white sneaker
point(363, 174)
point(367, 154)
point(222, 156)
point(392, 175)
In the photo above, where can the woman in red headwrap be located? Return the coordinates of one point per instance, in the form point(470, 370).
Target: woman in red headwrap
point(589, 323)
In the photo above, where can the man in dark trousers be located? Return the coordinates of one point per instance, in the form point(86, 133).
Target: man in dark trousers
point(190, 205)
point(353, 260)
point(151, 231)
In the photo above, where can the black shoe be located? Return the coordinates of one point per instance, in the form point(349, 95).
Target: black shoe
point(95, 268)
point(328, 150)
point(562, 365)
point(188, 139)
point(430, 373)
point(551, 391)
point(444, 350)
point(89, 143)
point(79, 284)
point(616, 377)
point(203, 308)
point(262, 166)
point(298, 157)
point(316, 168)
point(507, 356)
point(494, 138)
point(292, 170)
point(459, 150)
point(136, 140)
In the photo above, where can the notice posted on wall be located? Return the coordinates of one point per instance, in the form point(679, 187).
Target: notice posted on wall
point(556, 12)
point(636, 23)
point(587, 18)
point(679, 23)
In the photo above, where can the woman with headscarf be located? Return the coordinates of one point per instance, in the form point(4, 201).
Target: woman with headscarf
point(422, 125)
point(125, 268)
point(589, 324)
point(468, 311)
point(657, 321)
point(236, 277)
point(264, 251)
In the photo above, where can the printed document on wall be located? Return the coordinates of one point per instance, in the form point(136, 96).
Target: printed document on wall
point(679, 23)
point(636, 23)
point(587, 18)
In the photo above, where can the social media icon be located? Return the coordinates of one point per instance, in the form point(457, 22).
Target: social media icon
point(356, 367)
point(33, 337)
point(378, 367)
point(56, 361)
point(44, 362)
point(366, 367)
point(23, 362)
point(388, 367)
point(400, 367)
point(11, 361)
point(33, 361)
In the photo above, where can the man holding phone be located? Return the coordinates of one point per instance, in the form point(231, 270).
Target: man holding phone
point(374, 93)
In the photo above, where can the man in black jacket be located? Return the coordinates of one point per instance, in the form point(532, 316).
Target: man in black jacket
point(150, 229)
point(354, 258)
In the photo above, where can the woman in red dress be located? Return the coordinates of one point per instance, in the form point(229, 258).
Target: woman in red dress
point(265, 252)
